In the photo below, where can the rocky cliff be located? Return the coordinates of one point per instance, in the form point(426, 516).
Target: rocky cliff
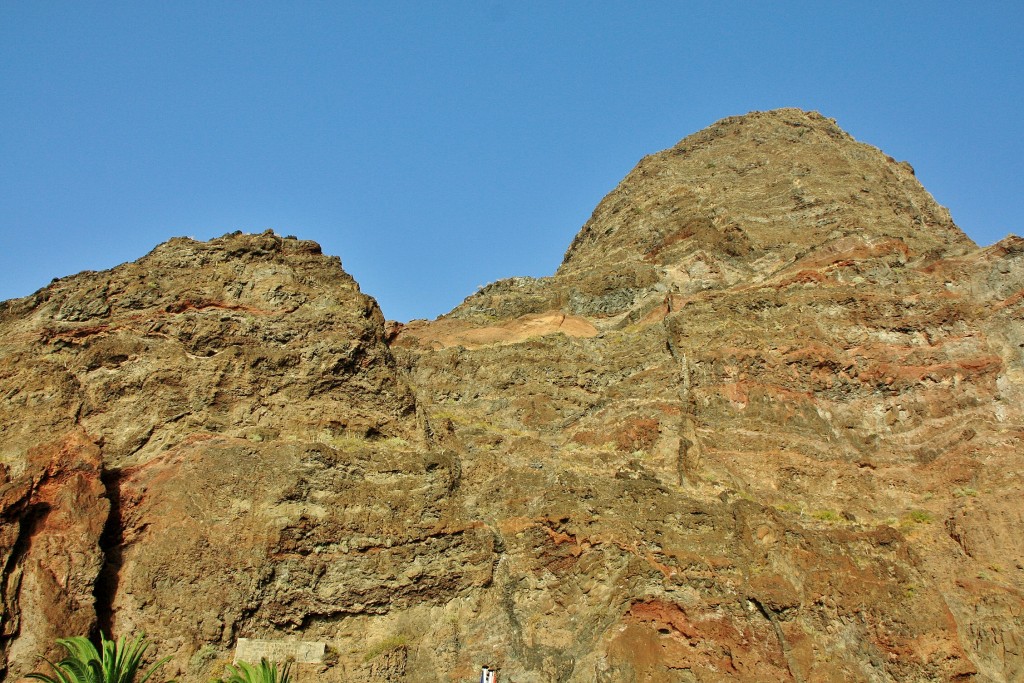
point(764, 423)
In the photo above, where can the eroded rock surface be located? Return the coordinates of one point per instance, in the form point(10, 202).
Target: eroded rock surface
point(763, 424)
point(222, 376)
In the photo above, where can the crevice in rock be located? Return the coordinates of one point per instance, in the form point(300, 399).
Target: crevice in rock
point(517, 646)
point(29, 520)
point(773, 619)
point(111, 541)
point(689, 455)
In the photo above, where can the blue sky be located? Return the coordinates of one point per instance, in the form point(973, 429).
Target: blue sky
point(436, 147)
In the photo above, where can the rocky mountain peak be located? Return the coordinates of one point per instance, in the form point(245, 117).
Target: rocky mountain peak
point(753, 193)
point(250, 335)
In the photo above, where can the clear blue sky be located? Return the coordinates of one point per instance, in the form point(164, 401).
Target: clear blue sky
point(438, 146)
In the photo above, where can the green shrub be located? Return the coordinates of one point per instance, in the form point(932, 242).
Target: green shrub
point(389, 644)
point(826, 515)
point(266, 672)
point(919, 517)
point(115, 662)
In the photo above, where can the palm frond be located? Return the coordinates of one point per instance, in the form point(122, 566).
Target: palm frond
point(266, 672)
point(59, 676)
point(115, 662)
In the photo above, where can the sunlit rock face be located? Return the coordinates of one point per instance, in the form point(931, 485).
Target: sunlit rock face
point(764, 423)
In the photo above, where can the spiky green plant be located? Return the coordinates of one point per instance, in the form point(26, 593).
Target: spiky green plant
point(266, 672)
point(116, 662)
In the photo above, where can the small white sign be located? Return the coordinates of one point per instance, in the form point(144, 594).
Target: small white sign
point(279, 651)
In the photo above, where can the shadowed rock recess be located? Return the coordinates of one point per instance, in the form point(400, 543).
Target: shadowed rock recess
point(763, 424)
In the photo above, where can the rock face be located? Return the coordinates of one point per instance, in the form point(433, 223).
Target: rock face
point(764, 423)
point(177, 431)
